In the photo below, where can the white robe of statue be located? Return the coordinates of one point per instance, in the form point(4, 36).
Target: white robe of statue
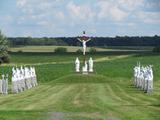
point(77, 65)
point(85, 67)
point(14, 83)
point(35, 76)
point(90, 65)
point(150, 80)
point(6, 85)
point(84, 45)
point(138, 75)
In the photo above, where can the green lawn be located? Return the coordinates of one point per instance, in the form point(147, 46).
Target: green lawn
point(108, 94)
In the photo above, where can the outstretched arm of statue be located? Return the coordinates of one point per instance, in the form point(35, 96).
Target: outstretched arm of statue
point(88, 39)
point(79, 39)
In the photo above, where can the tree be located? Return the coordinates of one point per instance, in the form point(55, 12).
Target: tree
point(3, 49)
point(156, 49)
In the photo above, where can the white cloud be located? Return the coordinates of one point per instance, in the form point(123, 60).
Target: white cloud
point(118, 14)
point(68, 15)
point(152, 5)
point(82, 12)
point(21, 3)
point(60, 15)
point(110, 10)
point(36, 11)
point(130, 4)
point(149, 17)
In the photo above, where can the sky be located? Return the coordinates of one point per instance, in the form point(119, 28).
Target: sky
point(68, 18)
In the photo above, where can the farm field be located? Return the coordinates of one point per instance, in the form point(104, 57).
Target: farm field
point(75, 48)
point(108, 94)
point(47, 48)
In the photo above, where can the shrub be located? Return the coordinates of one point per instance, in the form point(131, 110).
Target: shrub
point(156, 49)
point(92, 50)
point(6, 59)
point(60, 50)
point(1, 60)
point(79, 51)
point(20, 51)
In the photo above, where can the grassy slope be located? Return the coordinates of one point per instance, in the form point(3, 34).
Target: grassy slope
point(107, 94)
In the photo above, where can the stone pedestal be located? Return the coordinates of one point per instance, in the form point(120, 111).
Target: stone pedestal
point(84, 70)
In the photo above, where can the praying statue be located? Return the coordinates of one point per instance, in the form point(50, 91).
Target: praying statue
point(77, 65)
point(90, 64)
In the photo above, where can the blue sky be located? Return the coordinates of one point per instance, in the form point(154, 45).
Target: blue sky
point(59, 18)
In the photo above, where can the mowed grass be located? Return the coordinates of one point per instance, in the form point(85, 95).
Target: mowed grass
point(108, 94)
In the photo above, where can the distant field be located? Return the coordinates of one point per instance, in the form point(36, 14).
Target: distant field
point(48, 48)
point(149, 48)
point(75, 48)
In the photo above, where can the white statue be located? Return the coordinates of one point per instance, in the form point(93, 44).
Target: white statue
point(84, 40)
point(77, 65)
point(23, 78)
point(14, 84)
point(84, 44)
point(90, 65)
point(150, 80)
point(35, 76)
point(5, 85)
point(1, 84)
point(85, 68)
point(144, 78)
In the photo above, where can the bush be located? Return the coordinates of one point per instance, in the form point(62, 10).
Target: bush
point(156, 49)
point(4, 59)
point(1, 61)
point(79, 51)
point(20, 51)
point(60, 50)
point(92, 50)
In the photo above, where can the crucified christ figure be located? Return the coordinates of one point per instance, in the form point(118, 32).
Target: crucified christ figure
point(84, 41)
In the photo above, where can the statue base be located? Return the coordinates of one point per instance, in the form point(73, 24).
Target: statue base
point(85, 72)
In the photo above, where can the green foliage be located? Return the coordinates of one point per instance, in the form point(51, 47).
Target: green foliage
point(3, 49)
point(60, 50)
point(92, 50)
point(79, 51)
point(5, 59)
point(156, 49)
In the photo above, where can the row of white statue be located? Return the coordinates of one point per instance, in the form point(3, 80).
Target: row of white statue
point(88, 66)
point(23, 78)
point(4, 84)
point(143, 77)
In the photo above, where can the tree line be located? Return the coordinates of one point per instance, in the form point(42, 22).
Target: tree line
point(96, 41)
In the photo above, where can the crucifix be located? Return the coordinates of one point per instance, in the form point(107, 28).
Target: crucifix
point(87, 65)
point(84, 39)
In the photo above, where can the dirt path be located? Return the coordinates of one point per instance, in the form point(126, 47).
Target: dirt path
point(94, 116)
